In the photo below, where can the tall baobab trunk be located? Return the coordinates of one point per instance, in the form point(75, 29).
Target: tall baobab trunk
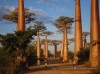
point(55, 51)
point(94, 34)
point(21, 16)
point(38, 49)
point(78, 29)
point(44, 50)
point(85, 42)
point(21, 27)
point(62, 47)
point(46, 46)
point(65, 57)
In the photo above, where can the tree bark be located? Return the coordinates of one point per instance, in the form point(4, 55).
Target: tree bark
point(85, 42)
point(21, 16)
point(38, 49)
point(94, 34)
point(44, 50)
point(55, 51)
point(65, 57)
point(78, 29)
point(62, 48)
point(46, 45)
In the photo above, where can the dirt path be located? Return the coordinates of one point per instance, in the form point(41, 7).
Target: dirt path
point(56, 66)
point(60, 72)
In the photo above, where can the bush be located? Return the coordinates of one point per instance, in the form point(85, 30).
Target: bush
point(7, 62)
point(83, 55)
point(31, 59)
point(70, 55)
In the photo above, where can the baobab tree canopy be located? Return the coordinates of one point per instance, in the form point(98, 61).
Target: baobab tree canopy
point(13, 16)
point(63, 20)
point(47, 33)
point(39, 26)
point(85, 33)
point(54, 42)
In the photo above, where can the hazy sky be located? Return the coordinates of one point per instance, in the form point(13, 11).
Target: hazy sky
point(46, 10)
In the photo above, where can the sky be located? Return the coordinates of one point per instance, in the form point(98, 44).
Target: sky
point(47, 11)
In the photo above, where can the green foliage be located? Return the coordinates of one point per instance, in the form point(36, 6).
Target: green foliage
point(13, 16)
point(19, 39)
point(39, 26)
point(32, 57)
point(70, 55)
point(54, 42)
point(8, 41)
point(15, 44)
point(83, 55)
point(85, 33)
point(62, 20)
point(7, 62)
point(31, 52)
point(23, 38)
point(47, 33)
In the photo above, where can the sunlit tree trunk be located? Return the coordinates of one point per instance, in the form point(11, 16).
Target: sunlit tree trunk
point(78, 29)
point(94, 34)
point(38, 49)
point(44, 50)
point(21, 16)
point(65, 57)
point(20, 27)
point(46, 46)
point(62, 48)
point(85, 42)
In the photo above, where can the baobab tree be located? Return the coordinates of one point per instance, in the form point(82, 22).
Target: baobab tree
point(64, 23)
point(13, 16)
point(43, 43)
point(61, 30)
point(55, 43)
point(46, 34)
point(78, 30)
point(40, 27)
point(85, 34)
point(94, 34)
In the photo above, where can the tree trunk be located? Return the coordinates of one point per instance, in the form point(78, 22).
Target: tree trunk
point(55, 51)
point(62, 48)
point(38, 49)
point(94, 34)
point(78, 29)
point(46, 45)
point(85, 42)
point(21, 16)
point(65, 57)
point(44, 50)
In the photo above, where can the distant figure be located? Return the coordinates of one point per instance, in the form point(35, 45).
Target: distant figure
point(74, 64)
point(45, 64)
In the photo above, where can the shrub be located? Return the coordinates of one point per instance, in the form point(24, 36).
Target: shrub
point(83, 55)
point(7, 62)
